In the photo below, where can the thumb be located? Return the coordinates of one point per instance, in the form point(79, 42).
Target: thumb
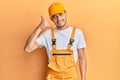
point(42, 19)
point(47, 24)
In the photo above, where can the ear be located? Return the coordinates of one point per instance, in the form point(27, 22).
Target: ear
point(65, 13)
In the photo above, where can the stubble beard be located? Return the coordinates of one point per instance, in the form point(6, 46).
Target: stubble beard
point(60, 27)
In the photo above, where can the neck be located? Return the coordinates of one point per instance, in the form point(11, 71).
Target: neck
point(62, 27)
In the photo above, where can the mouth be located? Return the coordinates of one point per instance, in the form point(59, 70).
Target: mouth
point(60, 22)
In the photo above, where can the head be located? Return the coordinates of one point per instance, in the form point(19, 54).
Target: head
point(57, 14)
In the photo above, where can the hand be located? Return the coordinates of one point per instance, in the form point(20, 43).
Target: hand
point(83, 79)
point(44, 24)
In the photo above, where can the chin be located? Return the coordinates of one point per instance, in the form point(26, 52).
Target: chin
point(61, 25)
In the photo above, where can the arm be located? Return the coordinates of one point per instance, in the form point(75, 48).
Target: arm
point(31, 41)
point(82, 62)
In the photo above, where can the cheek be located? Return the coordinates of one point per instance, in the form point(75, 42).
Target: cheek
point(54, 20)
point(64, 18)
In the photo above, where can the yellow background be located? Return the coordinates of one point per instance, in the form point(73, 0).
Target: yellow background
point(98, 19)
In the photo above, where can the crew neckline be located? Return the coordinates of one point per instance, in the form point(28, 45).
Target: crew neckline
point(63, 29)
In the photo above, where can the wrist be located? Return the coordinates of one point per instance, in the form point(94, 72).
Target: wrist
point(83, 79)
point(41, 28)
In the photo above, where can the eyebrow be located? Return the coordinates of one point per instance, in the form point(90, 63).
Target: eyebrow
point(56, 14)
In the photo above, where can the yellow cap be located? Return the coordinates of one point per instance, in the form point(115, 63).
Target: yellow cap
point(56, 8)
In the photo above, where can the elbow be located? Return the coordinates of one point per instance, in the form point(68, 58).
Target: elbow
point(26, 49)
point(81, 58)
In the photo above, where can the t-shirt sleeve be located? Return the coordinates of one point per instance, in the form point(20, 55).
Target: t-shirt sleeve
point(41, 40)
point(81, 40)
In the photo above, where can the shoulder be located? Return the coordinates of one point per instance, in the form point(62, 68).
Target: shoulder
point(46, 32)
point(78, 31)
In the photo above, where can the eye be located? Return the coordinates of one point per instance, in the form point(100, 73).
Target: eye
point(54, 16)
point(60, 14)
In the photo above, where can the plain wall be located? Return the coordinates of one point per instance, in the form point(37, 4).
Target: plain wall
point(98, 19)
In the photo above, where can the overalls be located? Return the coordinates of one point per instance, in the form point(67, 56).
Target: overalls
point(62, 64)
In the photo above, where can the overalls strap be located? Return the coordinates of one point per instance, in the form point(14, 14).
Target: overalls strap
point(53, 39)
point(70, 42)
point(71, 38)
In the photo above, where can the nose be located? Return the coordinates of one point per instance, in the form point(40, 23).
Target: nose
point(59, 18)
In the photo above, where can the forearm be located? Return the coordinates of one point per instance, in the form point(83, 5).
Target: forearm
point(32, 38)
point(82, 61)
point(31, 41)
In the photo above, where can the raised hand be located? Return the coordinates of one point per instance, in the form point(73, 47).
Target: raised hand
point(44, 24)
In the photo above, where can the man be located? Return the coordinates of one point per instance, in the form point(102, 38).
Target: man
point(64, 44)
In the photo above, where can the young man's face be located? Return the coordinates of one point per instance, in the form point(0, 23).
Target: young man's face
point(59, 19)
